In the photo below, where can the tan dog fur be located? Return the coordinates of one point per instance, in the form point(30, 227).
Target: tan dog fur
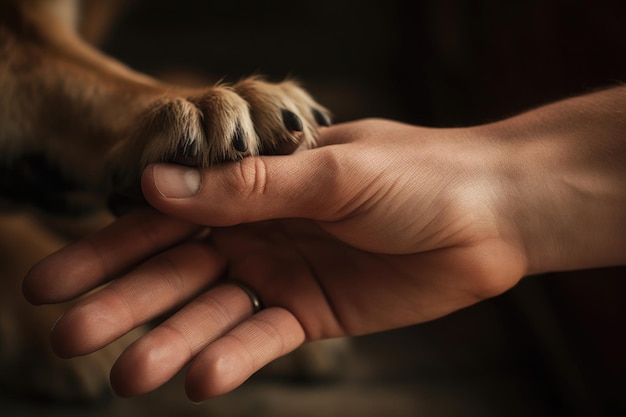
point(91, 114)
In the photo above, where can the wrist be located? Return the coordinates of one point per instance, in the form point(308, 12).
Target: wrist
point(564, 182)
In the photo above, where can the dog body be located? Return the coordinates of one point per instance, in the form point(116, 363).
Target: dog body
point(76, 125)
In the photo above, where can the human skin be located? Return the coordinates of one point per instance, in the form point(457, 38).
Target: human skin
point(383, 225)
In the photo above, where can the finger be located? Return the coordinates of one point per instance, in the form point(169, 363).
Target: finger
point(305, 184)
point(229, 361)
point(159, 355)
point(311, 184)
point(150, 290)
point(92, 261)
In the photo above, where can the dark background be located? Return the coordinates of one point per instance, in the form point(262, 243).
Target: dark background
point(437, 63)
point(447, 62)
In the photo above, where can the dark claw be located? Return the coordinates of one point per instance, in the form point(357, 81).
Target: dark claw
point(292, 121)
point(190, 149)
point(238, 140)
point(320, 118)
point(187, 153)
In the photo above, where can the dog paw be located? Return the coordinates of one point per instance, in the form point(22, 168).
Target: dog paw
point(222, 123)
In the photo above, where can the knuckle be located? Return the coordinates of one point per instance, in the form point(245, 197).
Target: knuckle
point(250, 179)
point(335, 172)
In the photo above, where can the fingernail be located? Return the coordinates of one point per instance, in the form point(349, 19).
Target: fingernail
point(176, 181)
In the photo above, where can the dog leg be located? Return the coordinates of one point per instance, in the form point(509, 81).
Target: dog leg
point(88, 112)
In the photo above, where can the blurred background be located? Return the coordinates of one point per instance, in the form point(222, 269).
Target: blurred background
point(553, 346)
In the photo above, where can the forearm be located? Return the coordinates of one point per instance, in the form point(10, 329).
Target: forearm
point(565, 182)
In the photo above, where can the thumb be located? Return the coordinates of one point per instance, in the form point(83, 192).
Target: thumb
point(253, 189)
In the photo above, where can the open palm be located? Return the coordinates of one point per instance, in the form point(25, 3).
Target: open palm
point(361, 238)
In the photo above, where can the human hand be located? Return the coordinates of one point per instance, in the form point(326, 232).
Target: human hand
point(383, 235)
point(384, 225)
